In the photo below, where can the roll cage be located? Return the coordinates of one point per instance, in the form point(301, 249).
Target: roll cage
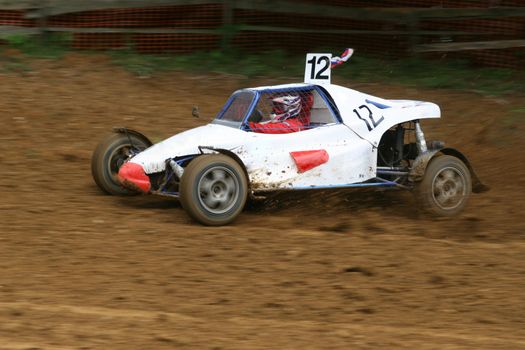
point(252, 96)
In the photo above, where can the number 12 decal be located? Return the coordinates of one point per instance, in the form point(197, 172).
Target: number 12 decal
point(319, 74)
point(317, 69)
point(371, 123)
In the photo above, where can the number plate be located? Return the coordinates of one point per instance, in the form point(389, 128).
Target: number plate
point(317, 69)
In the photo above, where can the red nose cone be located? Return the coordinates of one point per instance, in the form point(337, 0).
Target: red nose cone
point(132, 175)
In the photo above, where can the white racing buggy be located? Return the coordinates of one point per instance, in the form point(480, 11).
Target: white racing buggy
point(290, 137)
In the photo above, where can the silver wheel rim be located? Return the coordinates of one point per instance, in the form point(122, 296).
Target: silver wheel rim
point(218, 190)
point(118, 157)
point(449, 188)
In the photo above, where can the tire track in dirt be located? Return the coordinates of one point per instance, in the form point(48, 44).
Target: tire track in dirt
point(7, 343)
point(444, 337)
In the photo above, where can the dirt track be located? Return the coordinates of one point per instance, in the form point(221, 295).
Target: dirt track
point(349, 270)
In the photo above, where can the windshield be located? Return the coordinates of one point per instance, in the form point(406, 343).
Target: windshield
point(237, 107)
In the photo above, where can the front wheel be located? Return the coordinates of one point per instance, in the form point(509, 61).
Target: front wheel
point(446, 186)
point(109, 156)
point(213, 189)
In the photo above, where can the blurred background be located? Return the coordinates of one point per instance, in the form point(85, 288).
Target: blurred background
point(487, 32)
point(455, 33)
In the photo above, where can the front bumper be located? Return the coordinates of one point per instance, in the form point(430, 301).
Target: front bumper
point(132, 176)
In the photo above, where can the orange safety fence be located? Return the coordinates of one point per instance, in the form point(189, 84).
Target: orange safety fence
point(187, 28)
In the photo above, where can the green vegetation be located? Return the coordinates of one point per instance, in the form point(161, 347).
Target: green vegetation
point(440, 74)
point(273, 63)
point(450, 74)
point(414, 72)
point(13, 64)
point(49, 46)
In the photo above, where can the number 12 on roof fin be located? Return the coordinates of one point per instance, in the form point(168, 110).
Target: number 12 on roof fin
point(318, 66)
point(317, 69)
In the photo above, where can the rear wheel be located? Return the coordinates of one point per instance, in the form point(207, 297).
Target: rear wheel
point(213, 189)
point(109, 156)
point(446, 186)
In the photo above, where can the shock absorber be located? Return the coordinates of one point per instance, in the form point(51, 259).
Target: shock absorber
point(420, 138)
point(177, 169)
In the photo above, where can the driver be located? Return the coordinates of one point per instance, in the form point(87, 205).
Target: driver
point(290, 113)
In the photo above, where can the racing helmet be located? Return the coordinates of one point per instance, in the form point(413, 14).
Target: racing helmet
point(286, 106)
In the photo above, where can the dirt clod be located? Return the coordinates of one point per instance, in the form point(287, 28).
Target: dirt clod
point(357, 269)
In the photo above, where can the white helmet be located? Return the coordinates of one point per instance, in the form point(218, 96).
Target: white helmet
point(284, 107)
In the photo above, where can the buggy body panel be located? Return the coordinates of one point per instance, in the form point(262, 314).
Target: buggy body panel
point(350, 139)
point(370, 116)
point(266, 157)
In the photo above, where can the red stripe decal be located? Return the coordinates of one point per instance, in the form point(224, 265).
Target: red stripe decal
point(306, 160)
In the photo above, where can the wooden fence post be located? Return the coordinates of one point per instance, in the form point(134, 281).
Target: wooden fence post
point(42, 23)
point(227, 24)
point(413, 26)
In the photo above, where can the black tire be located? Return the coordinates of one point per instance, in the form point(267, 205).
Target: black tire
point(109, 156)
point(213, 189)
point(446, 186)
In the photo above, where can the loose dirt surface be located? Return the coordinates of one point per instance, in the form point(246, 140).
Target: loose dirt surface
point(332, 270)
